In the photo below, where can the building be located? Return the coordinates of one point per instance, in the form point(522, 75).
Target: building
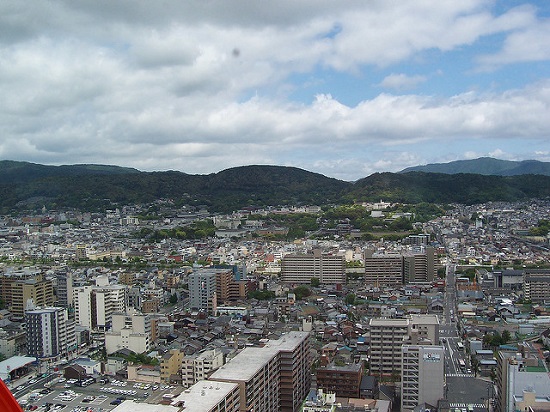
point(171, 365)
point(387, 336)
point(64, 289)
point(198, 367)
point(50, 333)
point(275, 377)
point(422, 375)
point(208, 396)
point(536, 285)
point(329, 269)
point(344, 381)
point(383, 269)
point(519, 376)
point(130, 330)
point(20, 287)
point(12, 342)
point(202, 290)
point(419, 267)
point(95, 305)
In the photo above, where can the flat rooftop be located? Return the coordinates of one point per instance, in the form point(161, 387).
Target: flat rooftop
point(250, 360)
point(205, 395)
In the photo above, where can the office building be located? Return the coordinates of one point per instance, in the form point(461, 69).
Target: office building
point(329, 269)
point(422, 375)
point(50, 333)
point(20, 287)
point(272, 378)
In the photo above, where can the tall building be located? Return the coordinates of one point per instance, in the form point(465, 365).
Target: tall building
point(50, 334)
point(208, 396)
point(536, 285)
point(202, 290)
point(387, 336)
point(64, 289)
point(95, 305)
point(383, 269)
point(129, 331)
point(419, 267)
point(272, 378)
point(422, 375)
point(171, 365)
point(344, 381)
point(20, 287)
point(329, 269)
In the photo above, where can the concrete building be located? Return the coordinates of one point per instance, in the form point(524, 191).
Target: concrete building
point(50, 333)
point(536, 285)
point(383, 269)
point(198, 367)
point(202, 290)
point(130, 330)
point(422, 375)
point(272, 378)
point(208, 396)
point(329, 269)
point(12, 343)
point(387, 337)
point(17, 291)
point(171, 365)
point(95, 305)
point(344, 381)
point(419, 267)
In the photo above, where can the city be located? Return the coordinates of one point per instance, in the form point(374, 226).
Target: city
point(451, 316)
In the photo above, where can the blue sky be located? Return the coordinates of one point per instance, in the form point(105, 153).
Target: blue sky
point(345, 89)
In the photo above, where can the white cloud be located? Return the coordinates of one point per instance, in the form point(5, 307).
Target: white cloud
point(402, 81)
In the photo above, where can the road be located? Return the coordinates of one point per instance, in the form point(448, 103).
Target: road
point(462, 388)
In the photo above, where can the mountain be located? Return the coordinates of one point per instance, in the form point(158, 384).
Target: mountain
point(28, 186)
point(486, 166)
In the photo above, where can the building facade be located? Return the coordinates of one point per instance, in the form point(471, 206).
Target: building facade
point(202, 290)
point(329, 269)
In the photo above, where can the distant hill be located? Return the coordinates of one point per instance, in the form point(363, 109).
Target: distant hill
point(486, 166)
point(29, 186)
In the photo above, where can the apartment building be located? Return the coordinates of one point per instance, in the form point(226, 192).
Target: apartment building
point(383, 269)
point(50, 333)
point(208, 396)
point(20, 287)
point(129, 330)
point(13, 343)
point(419, 266)
point(202, 290)
point(387, 336)
point(272, 378)
point(422, 375)
point(95, 305)
point(344, 380)
point(300, 268)
point(171, 365)
point(199, 366)
point(536, 285)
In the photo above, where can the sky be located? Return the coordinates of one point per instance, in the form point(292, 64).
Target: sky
point(341, 88)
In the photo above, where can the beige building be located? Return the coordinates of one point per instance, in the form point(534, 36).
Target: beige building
point(272, 378)
point(129, 331)
point(329, 269)
point(383, 269)
point(198, 367)
point(170, 366)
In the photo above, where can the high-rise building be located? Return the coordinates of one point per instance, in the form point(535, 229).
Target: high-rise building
point(202, 290)
point(208, 396)
point(536, 285)
point(20, 287)
point(95, 305)
point(419, 267)
point(422, 375)
point(387, 336)
point(50, 334)
point(383, 269)
point(272, 378)
point(329, 269)
point(344, 380)
point(64, 289)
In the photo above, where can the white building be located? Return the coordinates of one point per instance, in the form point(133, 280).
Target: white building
point(197, 367)
point(50, 333)
point(129, 331)
point(95, 305)
point(422, 375)
point(202, 290)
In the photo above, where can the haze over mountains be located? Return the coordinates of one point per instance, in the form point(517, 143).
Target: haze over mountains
point(486, 166)
point(97, 187)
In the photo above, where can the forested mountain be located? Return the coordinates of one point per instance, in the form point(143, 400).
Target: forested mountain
point(94, 187)
point(486, 166)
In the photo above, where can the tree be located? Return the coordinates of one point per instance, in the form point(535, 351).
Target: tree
point(315, 282)
point(505, 336)
point(173, 299)
point(349, 299)
point(302, 292)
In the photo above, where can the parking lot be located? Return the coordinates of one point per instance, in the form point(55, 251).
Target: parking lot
point(102, 396)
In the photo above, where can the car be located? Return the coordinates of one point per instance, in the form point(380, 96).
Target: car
point(154, 387)
point(116, 402)
point(32, 381)
point(34, 407)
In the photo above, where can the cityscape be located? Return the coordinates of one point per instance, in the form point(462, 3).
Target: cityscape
point(445, 311)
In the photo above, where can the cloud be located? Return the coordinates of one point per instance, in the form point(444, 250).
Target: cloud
point(401, 81)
